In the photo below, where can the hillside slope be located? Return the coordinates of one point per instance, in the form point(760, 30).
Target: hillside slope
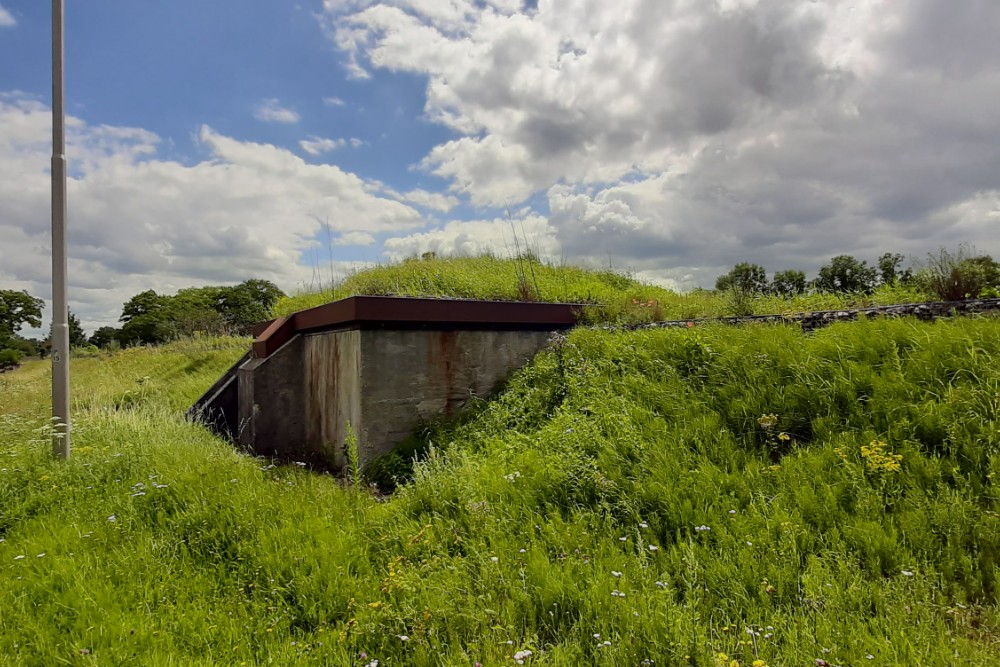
point(622, 297)
point(679, 496)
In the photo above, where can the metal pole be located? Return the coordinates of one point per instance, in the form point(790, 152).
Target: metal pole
point(60, 308)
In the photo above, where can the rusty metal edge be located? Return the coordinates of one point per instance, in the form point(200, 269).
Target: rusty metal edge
point(260, 327)
point(386, 312)
point(276, 334)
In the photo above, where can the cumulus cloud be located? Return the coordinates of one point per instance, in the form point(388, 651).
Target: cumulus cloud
point(320, 145)
point(333, 102)
point(269, 110)
point(7, 19)
point(138, 221)
point(355, 238)
point(682, 137)
point(498, 236)
point(432, 201)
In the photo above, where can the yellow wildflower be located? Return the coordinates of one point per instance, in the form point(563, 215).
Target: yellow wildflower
point(767, 422)
point(878, 458)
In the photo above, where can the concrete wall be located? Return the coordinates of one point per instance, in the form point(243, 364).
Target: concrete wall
point(271, 396)
point(297, 403)
point(409, 377)
point(332, 372)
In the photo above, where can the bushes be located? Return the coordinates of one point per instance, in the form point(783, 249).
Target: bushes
point(10, 359)
point(959, 275)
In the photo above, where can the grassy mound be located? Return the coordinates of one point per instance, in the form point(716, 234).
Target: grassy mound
point(685, 497)
point(622, 298)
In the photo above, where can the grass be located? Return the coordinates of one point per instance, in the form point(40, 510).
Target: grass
point(622, 298)
point(689, 497)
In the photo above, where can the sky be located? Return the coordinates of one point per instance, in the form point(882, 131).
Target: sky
point(213, 142)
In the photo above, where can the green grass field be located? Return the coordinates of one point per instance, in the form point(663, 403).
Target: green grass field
point(672, 497)
point(685, 497)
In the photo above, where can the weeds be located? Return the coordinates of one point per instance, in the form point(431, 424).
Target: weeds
point(619, 504)
point(351, 454)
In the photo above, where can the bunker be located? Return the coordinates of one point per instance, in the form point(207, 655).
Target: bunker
point(379, 365)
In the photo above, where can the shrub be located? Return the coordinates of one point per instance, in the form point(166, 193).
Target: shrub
point(952, 276)
point(10, 359)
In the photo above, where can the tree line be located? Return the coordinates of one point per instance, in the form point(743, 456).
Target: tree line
point(948, 275)
point(147, 318)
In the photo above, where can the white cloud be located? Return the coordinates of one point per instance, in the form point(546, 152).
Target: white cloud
point(7, 19)
point(270, 110)
point(433, 201)
point(138, 221)
point(319, 145)
point(685, 136)
point(499, 236)
point(333, 102)
point(355, 238)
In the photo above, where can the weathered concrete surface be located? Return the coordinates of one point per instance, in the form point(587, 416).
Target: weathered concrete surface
point(297, 403)
point(271, 400)
point(332, 375)
point(409, 377)
point(379, 365)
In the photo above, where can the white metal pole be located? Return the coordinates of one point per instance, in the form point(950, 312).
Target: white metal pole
point(60, 307)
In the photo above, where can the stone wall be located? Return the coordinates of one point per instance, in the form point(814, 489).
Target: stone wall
point(814, 320)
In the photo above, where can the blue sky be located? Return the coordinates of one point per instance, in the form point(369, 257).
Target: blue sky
point(211, 142)
point(172, 67)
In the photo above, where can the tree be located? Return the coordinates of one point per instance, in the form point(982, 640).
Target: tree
point(77, 336)
point(788, 283)
point(145, 319)
point(744, 277)
point(143, 303)
point(196, 309)
point(105, 337)
point(888, 267)
point(16, 310)
point(844, 273)
point(243, 305)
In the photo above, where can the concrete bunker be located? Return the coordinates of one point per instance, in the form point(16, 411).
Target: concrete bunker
point(382, 365)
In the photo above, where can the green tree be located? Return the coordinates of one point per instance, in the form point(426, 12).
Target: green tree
point(243, 305)
point(105, 337)
point(77, 336)
point(889, 272)
point(16, 310)
point(844, 273)
point(788, 283)
point(196, 309)
point(745, 277)
point(146, 319)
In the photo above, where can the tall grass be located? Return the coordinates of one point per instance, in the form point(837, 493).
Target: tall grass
point(684, 497)
point(620, 297)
